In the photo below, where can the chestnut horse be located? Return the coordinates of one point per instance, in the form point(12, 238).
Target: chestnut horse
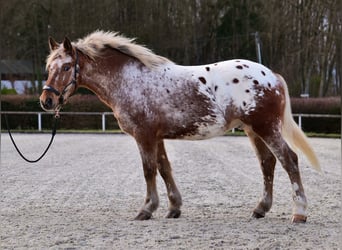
point(155, 99)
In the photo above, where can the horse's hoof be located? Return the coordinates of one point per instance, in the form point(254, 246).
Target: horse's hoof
point(174, 214)
point(257, 215)
point(143, 215)
point(298, 218)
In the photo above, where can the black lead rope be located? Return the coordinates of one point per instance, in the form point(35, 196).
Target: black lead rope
point(16, 147)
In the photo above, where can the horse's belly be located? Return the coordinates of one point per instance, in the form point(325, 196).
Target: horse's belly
point(203, 128)
point(206, 131)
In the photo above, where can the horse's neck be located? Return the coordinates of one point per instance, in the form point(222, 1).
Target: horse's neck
point(101, 76)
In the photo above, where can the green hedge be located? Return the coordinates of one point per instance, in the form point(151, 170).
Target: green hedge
point(330, 105)
point(90, 103)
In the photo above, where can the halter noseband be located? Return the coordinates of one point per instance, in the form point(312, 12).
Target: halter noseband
point(66, 88)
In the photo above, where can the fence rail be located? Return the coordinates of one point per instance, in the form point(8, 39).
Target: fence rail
point(104, 114)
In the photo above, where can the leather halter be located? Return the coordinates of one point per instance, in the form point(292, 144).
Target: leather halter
point(73, 82)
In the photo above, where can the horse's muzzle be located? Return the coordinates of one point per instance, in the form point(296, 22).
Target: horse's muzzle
point(48, 101)
point(47, 104)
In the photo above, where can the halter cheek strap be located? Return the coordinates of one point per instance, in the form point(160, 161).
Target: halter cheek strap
point(66, 88)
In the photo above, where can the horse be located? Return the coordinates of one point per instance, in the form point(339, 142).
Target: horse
point(153, 99)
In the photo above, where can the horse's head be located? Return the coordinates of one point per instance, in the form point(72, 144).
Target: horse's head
point(63, 67)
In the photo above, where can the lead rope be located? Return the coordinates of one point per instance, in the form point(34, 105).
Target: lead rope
point(52, 137)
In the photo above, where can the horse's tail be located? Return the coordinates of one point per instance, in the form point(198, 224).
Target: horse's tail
point(293, 134)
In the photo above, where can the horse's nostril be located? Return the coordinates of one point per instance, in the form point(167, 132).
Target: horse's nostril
point(48, 103)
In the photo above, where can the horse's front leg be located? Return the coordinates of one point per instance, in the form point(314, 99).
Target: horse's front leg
point(165, 171)
point(148, 152)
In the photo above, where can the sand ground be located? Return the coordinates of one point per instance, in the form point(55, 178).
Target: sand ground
point(86, 191)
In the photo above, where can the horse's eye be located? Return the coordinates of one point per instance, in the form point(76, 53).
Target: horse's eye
point(66, 67)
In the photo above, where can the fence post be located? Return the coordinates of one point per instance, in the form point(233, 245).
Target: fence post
point(39, 121)
point(300, 121)
point(103, 122)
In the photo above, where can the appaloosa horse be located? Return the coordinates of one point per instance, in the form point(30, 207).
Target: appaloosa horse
point(154, 99)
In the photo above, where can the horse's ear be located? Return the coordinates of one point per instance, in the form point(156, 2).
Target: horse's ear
point(67, 46)
point(53, 44)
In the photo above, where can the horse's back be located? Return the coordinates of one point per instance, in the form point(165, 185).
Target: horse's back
point(240, 89)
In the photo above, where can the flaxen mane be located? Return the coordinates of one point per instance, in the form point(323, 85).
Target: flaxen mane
point(94, 43)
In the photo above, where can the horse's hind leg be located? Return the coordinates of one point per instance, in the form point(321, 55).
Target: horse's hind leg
point(148, 152)
point(267, 163)
point(172, 190)
point(289, 160)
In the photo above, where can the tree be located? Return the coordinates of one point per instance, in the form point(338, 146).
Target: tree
point(301, 39)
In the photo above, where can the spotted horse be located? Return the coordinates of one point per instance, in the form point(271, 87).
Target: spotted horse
point(154, 99)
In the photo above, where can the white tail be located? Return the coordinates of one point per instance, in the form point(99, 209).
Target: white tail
point(294, 135)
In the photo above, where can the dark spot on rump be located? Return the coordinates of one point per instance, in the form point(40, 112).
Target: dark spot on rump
point(168, 91)
point(237, 61)
point(247, 90)
point(269, 85)
point(235, 80)
point(245, 65)
point(216, 87)
point(239, 67)
point(202, 79)
point(244, 103)
point(256, 82)
point(263, 73)
point(215, 64)
point(207, 68)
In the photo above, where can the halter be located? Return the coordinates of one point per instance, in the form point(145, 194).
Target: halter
point(66, 88)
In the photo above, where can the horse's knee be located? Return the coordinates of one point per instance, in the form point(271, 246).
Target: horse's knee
point(150, 173)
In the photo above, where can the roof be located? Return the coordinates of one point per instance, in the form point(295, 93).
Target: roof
point(17, 67)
